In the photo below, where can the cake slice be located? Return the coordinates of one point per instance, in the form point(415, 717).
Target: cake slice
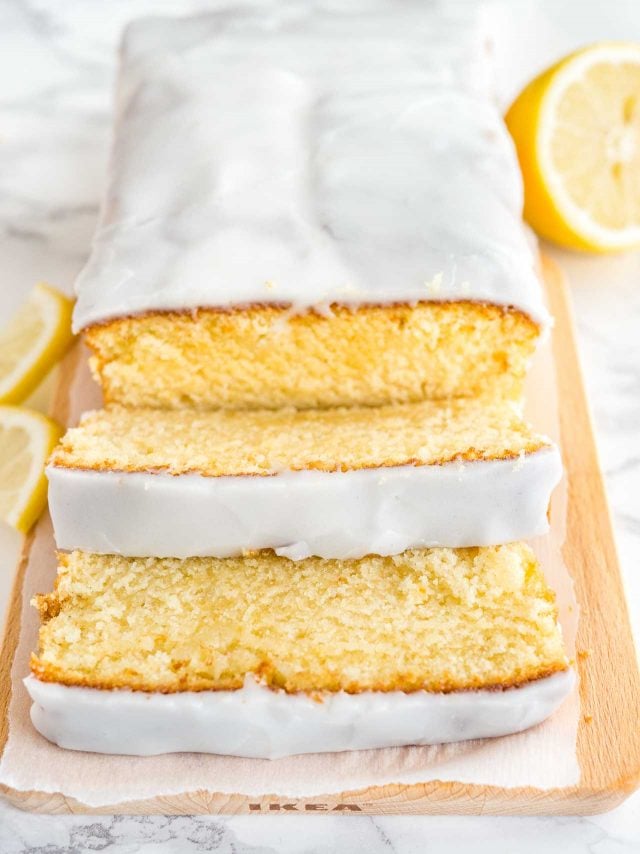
point(352, 236)
point(261, 656)
point(336, 483)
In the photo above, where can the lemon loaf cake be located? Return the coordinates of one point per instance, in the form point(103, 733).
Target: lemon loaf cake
point(263, 656)
point(336, 483)
point(352, 235)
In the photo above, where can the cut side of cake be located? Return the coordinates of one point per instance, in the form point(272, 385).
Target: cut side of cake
point(453, 644)
point(336, 483)
point(266, 357)
point(353, 237)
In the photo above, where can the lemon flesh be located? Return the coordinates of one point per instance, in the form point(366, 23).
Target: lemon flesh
point(26, 440)
point(576, 128)
point(34, 340)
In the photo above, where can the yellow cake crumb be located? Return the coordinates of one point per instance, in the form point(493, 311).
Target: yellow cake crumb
point(266, 357)
point(264, 442)
point(433, 619)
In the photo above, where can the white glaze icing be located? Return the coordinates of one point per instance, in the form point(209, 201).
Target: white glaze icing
point(337, 514)
point(305, 157)
point(258, 722)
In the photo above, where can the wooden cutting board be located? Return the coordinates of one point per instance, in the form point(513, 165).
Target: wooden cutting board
point(608, 744)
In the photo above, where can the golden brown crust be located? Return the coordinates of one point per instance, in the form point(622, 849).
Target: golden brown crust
point(472, 455)
point(48, 604)
point(266, 675)
point(277, 309)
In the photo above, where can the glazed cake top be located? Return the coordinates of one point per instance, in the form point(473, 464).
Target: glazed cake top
point(295, 154)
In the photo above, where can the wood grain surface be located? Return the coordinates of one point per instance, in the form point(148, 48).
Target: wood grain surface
point(609, 730)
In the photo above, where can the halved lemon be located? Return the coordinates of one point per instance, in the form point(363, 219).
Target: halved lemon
point(577, 133)
point(26, 440)
point(34, 340)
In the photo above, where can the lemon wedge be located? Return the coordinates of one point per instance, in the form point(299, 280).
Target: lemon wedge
point(576, 129)
point(26, 440)
point(35, 338)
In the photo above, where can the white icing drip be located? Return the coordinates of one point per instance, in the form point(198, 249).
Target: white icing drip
point(337, 514)
point(306, 157)
point(257, 722)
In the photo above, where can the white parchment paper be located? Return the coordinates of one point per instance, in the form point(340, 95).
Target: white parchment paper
point(543, 757)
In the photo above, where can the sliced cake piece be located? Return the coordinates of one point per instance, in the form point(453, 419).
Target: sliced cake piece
point(352, 236)
point(335, 483)
point(263, 656)
point(265, 356)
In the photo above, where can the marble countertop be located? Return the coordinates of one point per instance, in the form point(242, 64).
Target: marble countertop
point(56, 69)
